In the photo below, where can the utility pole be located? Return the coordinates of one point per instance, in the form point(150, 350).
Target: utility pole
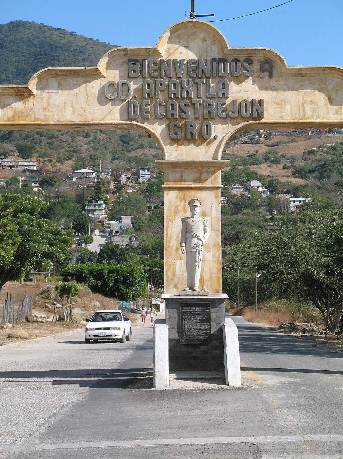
point(257, 276)
point(238, 286)
point(193, 15)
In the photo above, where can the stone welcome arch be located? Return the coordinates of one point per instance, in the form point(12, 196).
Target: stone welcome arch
point(191, 93)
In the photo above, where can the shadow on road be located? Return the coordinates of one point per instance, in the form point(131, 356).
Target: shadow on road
point(116, 346)
point(256, 339)
point(294, 370)
point(127, 378)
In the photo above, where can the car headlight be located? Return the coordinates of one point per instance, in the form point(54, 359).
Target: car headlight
point(118, 327)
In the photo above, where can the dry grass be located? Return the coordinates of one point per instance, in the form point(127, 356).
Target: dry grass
point(279, 312)
point(273, 318)
point(26, 330)
point(277, 171)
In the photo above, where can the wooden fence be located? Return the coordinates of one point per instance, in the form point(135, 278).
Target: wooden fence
point(13, 312)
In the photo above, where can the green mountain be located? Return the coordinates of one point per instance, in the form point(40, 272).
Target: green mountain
point(26, 47)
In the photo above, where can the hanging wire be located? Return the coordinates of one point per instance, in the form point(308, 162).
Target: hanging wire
point(253, 13)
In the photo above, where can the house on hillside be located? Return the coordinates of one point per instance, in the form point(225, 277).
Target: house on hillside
point(257, 186)
point(254, 185)
point(125, 178)
point(96, 210)
point(264, 192)
point(238, 190)
point(118, 226)
point(144, 175)
point(85, 176)
point(98, 241)
point(123, 240)
point(295, 203)
point(36, 186)
point(18, 164)
point(105, 174)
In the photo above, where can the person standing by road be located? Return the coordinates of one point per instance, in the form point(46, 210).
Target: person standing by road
point(143, 314)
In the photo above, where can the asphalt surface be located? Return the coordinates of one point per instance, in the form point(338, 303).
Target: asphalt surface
point(61, 398)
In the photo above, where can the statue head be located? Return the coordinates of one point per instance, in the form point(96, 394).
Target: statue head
point(194, 206)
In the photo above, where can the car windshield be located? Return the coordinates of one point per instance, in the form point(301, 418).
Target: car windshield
point(106, 317)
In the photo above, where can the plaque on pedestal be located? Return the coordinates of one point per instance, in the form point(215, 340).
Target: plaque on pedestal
point(195, 323)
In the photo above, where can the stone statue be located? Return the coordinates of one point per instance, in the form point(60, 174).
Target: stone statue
point(194, 234)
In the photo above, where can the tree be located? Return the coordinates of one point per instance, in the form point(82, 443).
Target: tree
point(126, 281)
point(113, 253)
point(153, 190)
point(25, 149)
point(101, 190)
point(300, 259)
point(132, 204)
point(84, 255)
point(27, 239)
point(68, 214)
point(48, 181)
point(6, 150)
point(13, 183)
point(322, 256)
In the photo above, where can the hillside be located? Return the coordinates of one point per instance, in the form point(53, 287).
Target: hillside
point(298, 158)
point(301, 161)
point(26, 47)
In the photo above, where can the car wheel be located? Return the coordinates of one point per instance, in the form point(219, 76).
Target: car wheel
point(87, 341)
point(95, 340)
point(122, 339)
point(128, 337)
point(130, 331)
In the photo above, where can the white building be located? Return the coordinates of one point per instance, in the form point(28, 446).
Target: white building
point(123, 240)
point(125, 178)
point(117, 226)
point(18, 164)
point(144, 175)
point(96, 210)
point(264, 192)
point(98, 241)
point(237, 190)
point(36, 186)
point(295, 203)
point(254, 185)
point(257, 186)
point(84, 175)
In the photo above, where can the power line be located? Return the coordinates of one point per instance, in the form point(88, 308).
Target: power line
point(253, 13)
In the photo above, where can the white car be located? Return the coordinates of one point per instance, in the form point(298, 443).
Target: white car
point(110, 324)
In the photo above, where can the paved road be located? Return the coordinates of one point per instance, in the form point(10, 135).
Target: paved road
point(60, 398)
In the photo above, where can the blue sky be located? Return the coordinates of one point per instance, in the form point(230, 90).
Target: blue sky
point(306, 32)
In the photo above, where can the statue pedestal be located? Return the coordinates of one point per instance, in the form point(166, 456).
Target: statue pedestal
point(195, 331)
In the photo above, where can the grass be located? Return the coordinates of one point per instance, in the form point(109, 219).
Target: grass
point(278, 312)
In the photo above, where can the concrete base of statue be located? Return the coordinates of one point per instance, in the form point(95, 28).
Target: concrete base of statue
point(161, 355)
point(195, 325)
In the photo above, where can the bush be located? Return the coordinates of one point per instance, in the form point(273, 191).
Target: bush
point(126, 281)
point(272, 157)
